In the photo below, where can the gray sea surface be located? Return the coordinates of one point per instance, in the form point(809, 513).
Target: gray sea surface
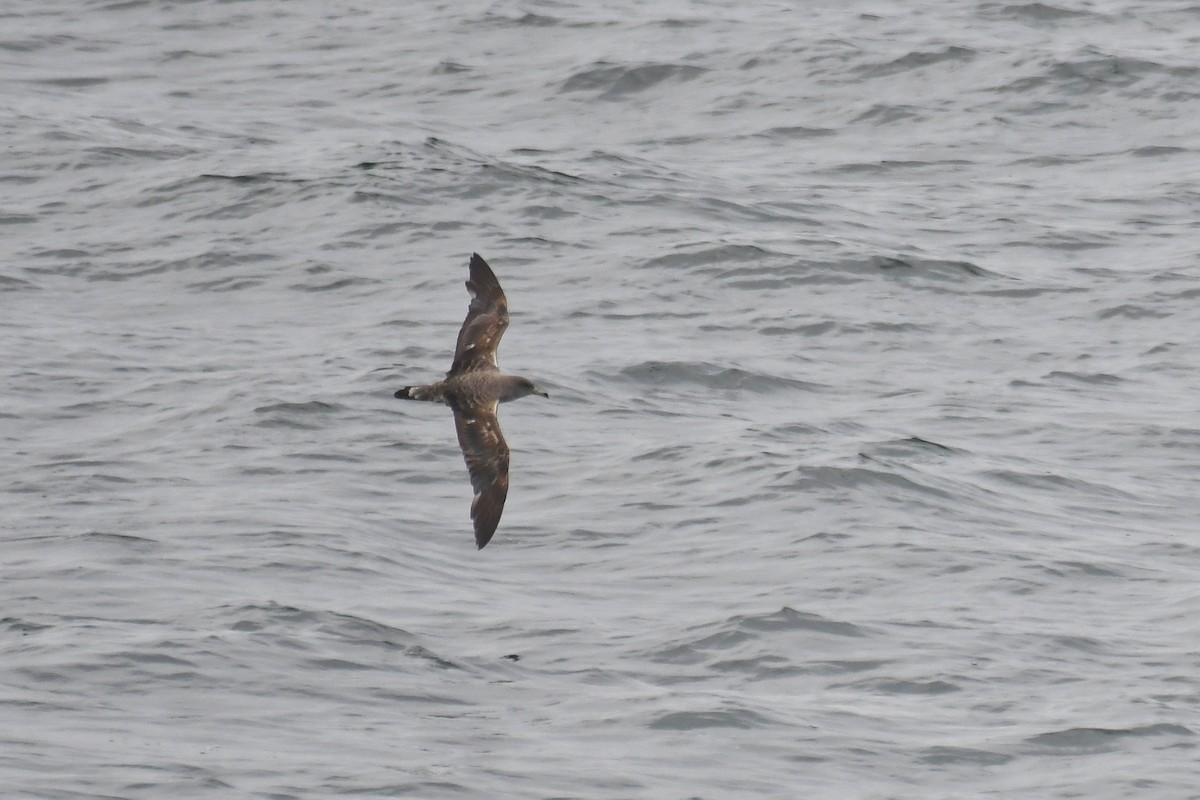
point(870, 468)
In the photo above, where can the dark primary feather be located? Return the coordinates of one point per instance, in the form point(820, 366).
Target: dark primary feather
point(487, 318)
point(487, 456)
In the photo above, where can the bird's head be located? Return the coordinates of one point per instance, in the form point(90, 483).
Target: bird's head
point(522, 387)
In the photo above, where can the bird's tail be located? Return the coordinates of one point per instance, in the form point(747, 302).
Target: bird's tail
point(432, 393)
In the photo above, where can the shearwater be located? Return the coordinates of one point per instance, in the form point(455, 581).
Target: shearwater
point(473, 388)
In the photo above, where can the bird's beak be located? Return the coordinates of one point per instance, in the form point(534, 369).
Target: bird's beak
point(543, 394)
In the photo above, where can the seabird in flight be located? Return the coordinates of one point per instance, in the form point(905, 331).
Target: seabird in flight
point(473, 388)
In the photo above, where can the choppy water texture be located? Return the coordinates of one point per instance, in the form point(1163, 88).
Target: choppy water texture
point(870, 468)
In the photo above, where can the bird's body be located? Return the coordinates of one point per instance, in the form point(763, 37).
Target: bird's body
point(473, 388)
point(470, 389)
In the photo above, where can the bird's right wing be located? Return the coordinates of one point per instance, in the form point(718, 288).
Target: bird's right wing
point(487, 456)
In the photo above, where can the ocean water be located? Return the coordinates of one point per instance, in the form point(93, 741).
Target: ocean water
point(871, 466)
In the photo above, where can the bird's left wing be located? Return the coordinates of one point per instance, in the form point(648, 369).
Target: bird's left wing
point(487, 319)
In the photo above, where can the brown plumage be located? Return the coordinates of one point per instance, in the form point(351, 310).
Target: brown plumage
point(473, 388)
